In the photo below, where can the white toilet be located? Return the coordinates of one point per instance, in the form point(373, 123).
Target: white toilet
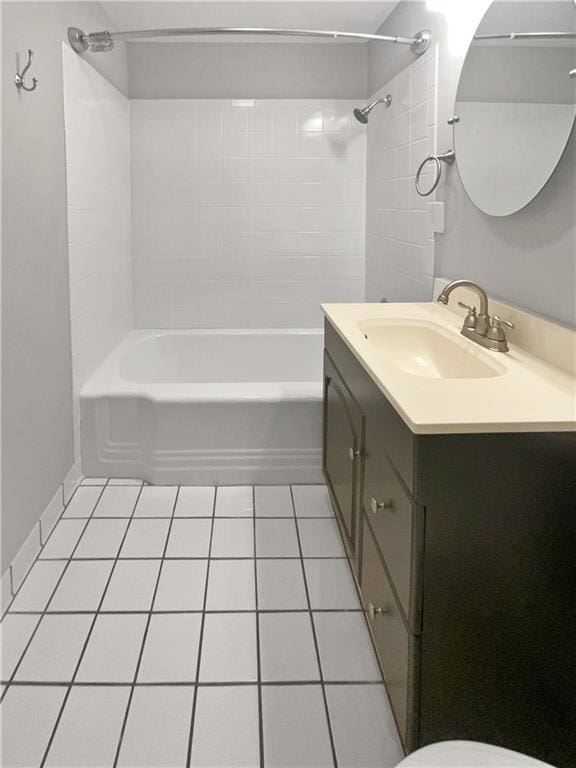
point(468, 754)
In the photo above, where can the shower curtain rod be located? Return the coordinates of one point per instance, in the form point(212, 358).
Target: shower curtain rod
point(99, 42)
point(527, 36)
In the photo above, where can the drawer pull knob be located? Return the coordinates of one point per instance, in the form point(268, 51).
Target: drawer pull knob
point(373, 611)
point(376, 506)
point(353, 453)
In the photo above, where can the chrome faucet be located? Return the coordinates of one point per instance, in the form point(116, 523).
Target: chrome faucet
point(478, 325)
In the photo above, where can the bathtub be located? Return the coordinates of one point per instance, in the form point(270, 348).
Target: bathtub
point(207, 407)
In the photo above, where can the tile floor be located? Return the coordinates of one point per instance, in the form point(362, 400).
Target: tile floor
point(165, 626)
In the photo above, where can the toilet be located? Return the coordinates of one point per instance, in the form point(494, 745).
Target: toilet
point(468, 754)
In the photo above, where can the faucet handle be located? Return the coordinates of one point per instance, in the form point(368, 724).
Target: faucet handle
point(471, 318)
point(498, 322)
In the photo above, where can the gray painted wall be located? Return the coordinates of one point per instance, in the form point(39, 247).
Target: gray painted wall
point(36, 368)
point(527, 259)
point(241, 70)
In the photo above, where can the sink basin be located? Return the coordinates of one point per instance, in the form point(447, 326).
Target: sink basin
point(425, 349)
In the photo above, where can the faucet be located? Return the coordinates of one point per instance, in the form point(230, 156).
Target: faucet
point(478, 326)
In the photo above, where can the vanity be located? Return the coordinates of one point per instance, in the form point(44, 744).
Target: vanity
point(452, 472)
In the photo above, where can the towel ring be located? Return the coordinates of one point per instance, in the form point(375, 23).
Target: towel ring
point(448, 158)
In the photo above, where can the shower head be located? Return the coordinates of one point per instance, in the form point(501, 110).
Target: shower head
point(362, 114)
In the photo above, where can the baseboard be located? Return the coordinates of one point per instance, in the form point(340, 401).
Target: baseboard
point(21, 564)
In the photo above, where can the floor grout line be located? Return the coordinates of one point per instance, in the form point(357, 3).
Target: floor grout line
point(195, 684)
point(258, 650)
point(37, 558)
point(201, 639)
point(45, 611)
point(92, 625)
point(145, 633)
point(314, 636)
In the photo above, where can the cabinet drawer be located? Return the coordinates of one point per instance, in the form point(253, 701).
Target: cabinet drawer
point(392, 639)
point(394, 519)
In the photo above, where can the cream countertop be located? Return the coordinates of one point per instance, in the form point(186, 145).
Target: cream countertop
point(529, 395)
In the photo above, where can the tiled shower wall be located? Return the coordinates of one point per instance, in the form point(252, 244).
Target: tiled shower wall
point(245, 213)
point(400, 223)
point(97, 123)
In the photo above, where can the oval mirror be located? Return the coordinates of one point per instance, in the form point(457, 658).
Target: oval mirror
point(516, 102)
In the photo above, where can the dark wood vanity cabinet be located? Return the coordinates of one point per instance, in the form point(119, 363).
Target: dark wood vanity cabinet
point(464, 548)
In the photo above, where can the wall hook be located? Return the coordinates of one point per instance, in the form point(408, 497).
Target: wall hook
point(19, 78)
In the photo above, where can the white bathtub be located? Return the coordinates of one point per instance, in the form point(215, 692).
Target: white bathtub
point(207, 406)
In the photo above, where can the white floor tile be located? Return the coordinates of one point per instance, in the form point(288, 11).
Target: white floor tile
point(234, 501)
point(83, 502)
point(63, 539)
point(117, 502)
point(124, 481)
point(312, 501)
point(113, 649)
point(171, 649)
point(182, 586)
point(94, 481)
point(229, 648)
point(276, 538)
point(346, 652)
point(102, 538)
point(231, 586)
point(320, 538)
point(295, 727)
point(189, 538)
point(28, 717)
point(363, 727)
point(287, 650)
point(273, 501)
point(132, 585)
point(145, 538)
point(233, 538)
point(158, 728)
point(89, 729)
point(38, 586)
point(55, 649)
point(156, 501)
point(15, 631)
point(330, 584)
point(281, 585)
point(82, 586)
point(226, 731)
point(195, 501)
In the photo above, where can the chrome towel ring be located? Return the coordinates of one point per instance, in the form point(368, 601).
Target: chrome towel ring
point(448, 158)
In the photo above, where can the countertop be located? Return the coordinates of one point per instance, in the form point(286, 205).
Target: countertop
point(529, 395)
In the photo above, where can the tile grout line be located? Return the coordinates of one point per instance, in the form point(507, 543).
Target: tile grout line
point(64, 559)
point(94, 620)
point(45, 611)
point(315, 638)
point(258, 650)
point(149, 619)
point(183, 683)
point(201, 637)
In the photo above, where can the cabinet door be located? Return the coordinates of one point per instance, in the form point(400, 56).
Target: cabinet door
point(343, 434)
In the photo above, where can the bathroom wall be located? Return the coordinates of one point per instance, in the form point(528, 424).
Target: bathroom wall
point(218, 70)
point(399, 223)
point(246, 213)
point(527, 259)
point(97, 124)
point(36, 360)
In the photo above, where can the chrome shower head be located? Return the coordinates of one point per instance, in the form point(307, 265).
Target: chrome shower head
point(362, 114)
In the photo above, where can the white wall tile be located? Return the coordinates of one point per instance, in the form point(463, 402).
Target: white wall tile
point(399, 228)
point(245, 213)
point(97, 118)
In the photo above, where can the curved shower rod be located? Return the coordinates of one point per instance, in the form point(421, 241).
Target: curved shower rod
point(99, 42)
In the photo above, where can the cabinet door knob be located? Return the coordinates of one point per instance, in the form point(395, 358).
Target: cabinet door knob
point(373, 611)
point(376, 506)
point(353, 453)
